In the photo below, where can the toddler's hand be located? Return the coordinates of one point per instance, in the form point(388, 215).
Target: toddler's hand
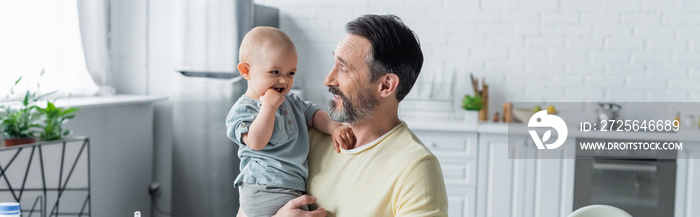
point(272, 97)
point(343, 137)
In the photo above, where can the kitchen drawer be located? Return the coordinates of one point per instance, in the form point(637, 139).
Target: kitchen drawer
point(450, 145)
point(460, 173)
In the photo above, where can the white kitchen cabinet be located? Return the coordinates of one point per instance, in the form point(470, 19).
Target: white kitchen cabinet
point(521, 187)
point(457, 153)
point(687, 202)
point(482, 181)
point(500, 180)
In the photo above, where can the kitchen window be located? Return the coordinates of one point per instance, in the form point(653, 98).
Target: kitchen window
point(45, 35)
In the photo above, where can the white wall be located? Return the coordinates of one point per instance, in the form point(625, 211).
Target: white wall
point(528, 50)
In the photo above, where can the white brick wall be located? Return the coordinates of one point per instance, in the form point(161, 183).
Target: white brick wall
point(581, 50)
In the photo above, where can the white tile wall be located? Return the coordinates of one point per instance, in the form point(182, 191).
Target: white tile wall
point(528, 50)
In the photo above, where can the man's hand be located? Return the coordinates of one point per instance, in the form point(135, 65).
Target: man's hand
point(343, 137)
point(292, 208)
point(272, 97)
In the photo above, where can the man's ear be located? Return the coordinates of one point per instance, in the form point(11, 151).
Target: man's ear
point(244, 69)
point(389, 84)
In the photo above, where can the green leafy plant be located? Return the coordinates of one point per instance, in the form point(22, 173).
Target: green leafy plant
point(20, 122)
point(27, 119)
point(472, 103)
point(53, 119)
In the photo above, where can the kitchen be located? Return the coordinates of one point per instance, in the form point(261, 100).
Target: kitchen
point(571, 54)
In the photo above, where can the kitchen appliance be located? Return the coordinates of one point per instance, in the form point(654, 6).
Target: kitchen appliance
point(204, 162)
point(607, 111)
point(640, 182)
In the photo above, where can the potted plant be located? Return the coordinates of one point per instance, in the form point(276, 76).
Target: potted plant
point(52, 121)
point(19, 122)
point(472, 105)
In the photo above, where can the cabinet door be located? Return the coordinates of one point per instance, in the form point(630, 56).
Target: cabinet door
point(456, 152)
point(521, 187)
point(687, 202)
point(552, 193)
point(500, 180)
point(461, 201)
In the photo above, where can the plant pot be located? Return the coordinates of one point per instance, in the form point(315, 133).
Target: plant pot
point(471, 116)
point(18, 141)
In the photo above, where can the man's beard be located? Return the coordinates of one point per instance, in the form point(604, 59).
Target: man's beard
point(353, 111)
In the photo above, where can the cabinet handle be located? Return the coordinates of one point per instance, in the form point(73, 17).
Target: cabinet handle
point(624, 167)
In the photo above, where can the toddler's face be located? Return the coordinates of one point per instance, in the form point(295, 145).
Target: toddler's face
point(273, 68)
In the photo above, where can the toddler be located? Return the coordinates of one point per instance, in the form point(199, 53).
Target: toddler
point(270, 125)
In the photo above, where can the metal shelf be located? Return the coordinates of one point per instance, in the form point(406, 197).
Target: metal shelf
point(48, 178)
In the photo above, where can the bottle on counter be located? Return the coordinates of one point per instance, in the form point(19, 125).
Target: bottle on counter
point(507, 112)
point(688, 122)
point(10, 209)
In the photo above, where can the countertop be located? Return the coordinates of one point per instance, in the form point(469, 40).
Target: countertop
point(684, 134)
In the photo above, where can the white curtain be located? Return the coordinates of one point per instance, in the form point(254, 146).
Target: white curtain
point(42, 35)
point(93, 27)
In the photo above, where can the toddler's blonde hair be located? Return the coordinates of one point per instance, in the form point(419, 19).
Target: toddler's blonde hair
point(262, 37)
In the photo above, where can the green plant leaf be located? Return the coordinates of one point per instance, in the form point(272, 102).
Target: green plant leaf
point(39, 109)
point(66, 113)
point(50, 106)
point(49, 93)
point(25, 102)
point(474, 103)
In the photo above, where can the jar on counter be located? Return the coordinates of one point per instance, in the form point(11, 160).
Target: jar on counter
point(10, 209)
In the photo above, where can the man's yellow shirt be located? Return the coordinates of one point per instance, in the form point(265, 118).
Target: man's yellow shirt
point(395, 175)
